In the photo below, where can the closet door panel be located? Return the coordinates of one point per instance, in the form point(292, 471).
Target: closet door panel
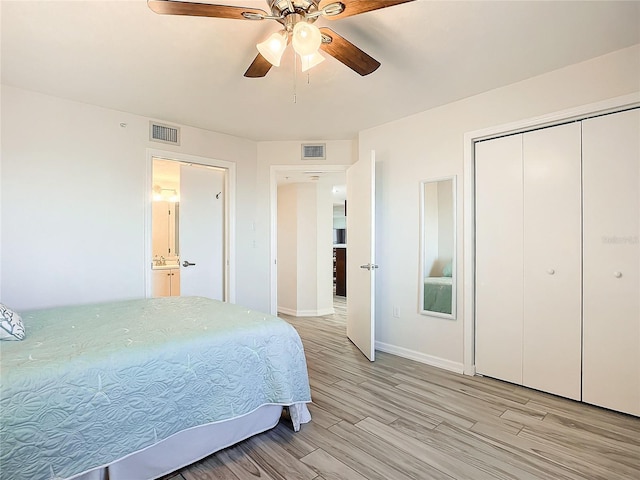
point(611, 181)
point(499, 258)
point(552, 343)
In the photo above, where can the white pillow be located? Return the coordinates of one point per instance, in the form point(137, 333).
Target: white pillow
point(11, 327)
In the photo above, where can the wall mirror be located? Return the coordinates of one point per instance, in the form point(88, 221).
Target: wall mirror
point(165, 229)
point(165, 210)
point(437, 284)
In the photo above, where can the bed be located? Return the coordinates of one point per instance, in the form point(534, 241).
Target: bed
point(137, 389)
point(437, 294)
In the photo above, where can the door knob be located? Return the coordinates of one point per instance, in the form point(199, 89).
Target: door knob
point(551, 271)
point(187, 264)
point(617, 274)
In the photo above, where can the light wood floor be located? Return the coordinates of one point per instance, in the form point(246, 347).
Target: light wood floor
point(396, 419)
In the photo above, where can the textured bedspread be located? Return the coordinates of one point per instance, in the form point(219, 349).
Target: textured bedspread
point(92, 384)
point(437, 294)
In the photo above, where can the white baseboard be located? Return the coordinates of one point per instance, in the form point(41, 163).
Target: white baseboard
point(456, 367)
point(306, 313)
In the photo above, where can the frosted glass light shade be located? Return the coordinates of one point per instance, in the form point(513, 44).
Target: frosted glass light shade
point(273, 47)
point(306, 38)
point(310, 61)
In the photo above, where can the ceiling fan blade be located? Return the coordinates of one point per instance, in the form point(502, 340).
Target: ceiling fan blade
point(170, 7)
point(258, 68)
point(346, 52)
point(355, 7)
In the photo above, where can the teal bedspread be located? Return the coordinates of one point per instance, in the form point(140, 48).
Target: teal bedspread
point(92, 384)
point(437, 294)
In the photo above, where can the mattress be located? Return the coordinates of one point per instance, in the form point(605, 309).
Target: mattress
point(93, 384)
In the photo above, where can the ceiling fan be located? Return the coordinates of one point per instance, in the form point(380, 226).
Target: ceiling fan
point(297, 18)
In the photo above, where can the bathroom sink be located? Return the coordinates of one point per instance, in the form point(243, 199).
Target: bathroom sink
point(165, 267)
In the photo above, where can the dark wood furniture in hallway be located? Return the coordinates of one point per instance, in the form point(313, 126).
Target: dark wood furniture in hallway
point(340, 270)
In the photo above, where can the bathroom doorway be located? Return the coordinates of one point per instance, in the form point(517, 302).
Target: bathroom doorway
point(189, 236)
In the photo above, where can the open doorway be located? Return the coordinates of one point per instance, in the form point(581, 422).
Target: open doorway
point(340, 241)
point(361, 264)
point(305, 200)
point(189, 237)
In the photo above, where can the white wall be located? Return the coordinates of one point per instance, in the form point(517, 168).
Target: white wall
point(307, 233)
point(324, 254)
point(339, 220)
point(74, 190)
point(305, 269)
point(430, 145)
point(287, 248)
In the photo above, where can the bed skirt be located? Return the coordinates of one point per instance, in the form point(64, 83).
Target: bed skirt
point(189, 446)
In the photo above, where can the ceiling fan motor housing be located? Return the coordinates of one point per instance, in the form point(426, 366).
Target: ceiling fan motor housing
point(283, 7)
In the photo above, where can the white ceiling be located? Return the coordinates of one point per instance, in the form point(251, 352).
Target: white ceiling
point(187, 70)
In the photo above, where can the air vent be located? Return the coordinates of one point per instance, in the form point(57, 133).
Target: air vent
point(164, 133)
point(313, 151)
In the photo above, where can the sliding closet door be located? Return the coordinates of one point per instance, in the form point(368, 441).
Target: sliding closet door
point(498, 165)
point(552, 341)
point(611, 169)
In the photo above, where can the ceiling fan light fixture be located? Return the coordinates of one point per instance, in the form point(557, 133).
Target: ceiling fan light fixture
point(306, 38)
point(310, 61)
point(273, 47)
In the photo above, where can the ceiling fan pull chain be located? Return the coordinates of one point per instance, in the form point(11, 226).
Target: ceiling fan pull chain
point(295, 77)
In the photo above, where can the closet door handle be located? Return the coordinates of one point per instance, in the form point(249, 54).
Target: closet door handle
point(187, 264)
point(617, 274)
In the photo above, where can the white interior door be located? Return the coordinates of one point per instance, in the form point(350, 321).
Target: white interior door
point(202, 232)
point(499, 270)
point(552, 328)
point(611, 324)
point(361, 255)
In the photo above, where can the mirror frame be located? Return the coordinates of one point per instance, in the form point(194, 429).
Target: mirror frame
point(454, 262)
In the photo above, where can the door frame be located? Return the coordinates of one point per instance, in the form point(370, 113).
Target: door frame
point(229, 255)
point(274, 170)
point(470, 138)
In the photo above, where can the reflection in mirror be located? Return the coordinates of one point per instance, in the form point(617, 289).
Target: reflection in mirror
point(165, 211)
point(165, 229)
point(437, 247)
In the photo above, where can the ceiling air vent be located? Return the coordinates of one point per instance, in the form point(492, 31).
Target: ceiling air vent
point(313, 151)
point(164, 133)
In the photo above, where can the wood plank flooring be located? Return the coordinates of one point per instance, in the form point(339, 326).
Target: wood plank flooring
point(396, 419)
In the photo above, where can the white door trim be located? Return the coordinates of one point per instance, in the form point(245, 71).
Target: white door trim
point(229, 220)
point(273, 230)
point(470, 138)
